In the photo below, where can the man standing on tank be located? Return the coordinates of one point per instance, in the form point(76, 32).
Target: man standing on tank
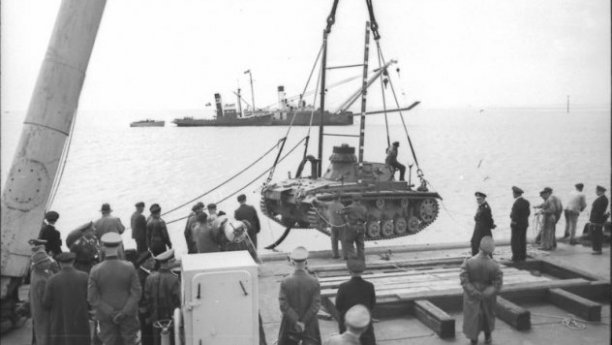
point(519, 222)
point(484, 222)
point(139, 227)
point(391, 160)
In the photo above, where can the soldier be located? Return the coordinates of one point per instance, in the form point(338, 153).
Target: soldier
point(207, 237)
point(248, 213)
point(108, 223)
point(66, 299)
point(87, 250)
point(197, 210)
point(43, 267)
point(356, 291)
point(481, 279)
point(113, 292)
point(50, 234)
point(357, 322)
point(139, 227)
point(158, 239)
point(576, 203)
point(519, 222)
point(299, 300)
point(484, 222)
point(335, 221)
point(391, 160)
point(162, 293)
point(355, 217)
point(598, 218)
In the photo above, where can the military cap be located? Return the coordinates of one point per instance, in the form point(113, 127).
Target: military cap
point(299, 254)
point(165, 256)
point(65, 257)
point(241, 198)
point(355, 264)
point(579, 185)
point(600, 189)
point(111, 239)
point(155, 208)
point(51, 216)
point(211, 206)
point(487, 244)
point(548, 189)
point(358, 316)
point(480, 194)
point(517, 190)
point(105, 208)
point(198, 206)
point(396, 143)
point(39, 257)
point(140, 204)
point(37, 242)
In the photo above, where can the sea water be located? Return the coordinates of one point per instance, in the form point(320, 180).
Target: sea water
point(459, 151)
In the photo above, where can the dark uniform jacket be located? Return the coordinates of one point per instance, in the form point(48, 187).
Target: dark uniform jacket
point(484, 221)
point(139, 230)
point(191, 242)
point(353, 292)
point(162, 294)
point(598, 210)
point(391, 158)
point(248, 213)
point(66, 298)
point(300, 300)
point(157, 236)
point(520, 212)
point(113, 287)
point(52, 236)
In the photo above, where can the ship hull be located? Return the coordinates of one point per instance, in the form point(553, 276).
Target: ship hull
point(301, 119)
point(148, 124)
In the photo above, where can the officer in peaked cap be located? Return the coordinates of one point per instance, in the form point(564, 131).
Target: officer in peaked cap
point(161, 293)
point(299, 300)
point(519, 222)
point(483, 221)
point(356, 291)
point(357, 321)
point(113, 292)
point(49, 233)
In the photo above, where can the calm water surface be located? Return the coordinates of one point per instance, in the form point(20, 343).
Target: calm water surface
point(460, 151)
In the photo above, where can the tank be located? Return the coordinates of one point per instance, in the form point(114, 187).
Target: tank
point(395, 208)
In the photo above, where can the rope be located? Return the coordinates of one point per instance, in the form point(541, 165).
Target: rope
point(569, 321)
point(326, 221)
point(382, 91)
point(222, 183)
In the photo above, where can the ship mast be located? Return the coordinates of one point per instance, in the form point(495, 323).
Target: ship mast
point(252, 90)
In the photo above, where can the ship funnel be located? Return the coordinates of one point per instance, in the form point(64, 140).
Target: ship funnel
point(219, 106)
point(282, 98)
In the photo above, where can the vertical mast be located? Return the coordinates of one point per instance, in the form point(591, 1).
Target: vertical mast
point(364, 92)
point(568, 104)
point(252, 91)
point(46, 127)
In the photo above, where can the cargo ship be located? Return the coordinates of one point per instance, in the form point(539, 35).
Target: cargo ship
point(148, 123)
point(229, 115)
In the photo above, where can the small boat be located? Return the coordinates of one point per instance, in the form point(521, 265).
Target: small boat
point(148, 123)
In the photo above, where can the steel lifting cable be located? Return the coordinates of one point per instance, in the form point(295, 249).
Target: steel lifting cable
point(314, 101)
point(382, 90)
point(245, 186)
point(224, 182)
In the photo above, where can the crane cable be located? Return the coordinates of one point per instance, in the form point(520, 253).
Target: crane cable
point(382, 91)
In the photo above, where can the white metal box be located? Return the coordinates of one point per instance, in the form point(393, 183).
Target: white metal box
point(220, 299)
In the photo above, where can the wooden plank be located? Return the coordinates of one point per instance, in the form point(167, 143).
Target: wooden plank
point(435, 318)
point(579, 306)
point(513, 314)
point(456, 261)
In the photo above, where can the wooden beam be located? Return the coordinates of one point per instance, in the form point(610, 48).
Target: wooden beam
point(513, 314)
point(435, 318)
point(579, 306)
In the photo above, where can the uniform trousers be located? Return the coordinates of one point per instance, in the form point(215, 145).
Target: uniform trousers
point(353, 235)
point(124, 333)
point(518, 242)
point(596, 236)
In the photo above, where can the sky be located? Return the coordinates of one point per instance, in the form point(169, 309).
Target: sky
point(175, 54)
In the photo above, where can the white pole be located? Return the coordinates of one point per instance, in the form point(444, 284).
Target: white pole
point(46, 128)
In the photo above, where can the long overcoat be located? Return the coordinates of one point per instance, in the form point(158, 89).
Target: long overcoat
point(481, 279)
point(66, 299)
point(483, 225)
point(353, 292)
point(41, 322)
point(300, 300)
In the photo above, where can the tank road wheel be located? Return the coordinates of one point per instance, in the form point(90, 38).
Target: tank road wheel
point(387, 228)
point(413, 224)
point(380, 204)
point(428, 210)
point(401, 226)
point(373, 229)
